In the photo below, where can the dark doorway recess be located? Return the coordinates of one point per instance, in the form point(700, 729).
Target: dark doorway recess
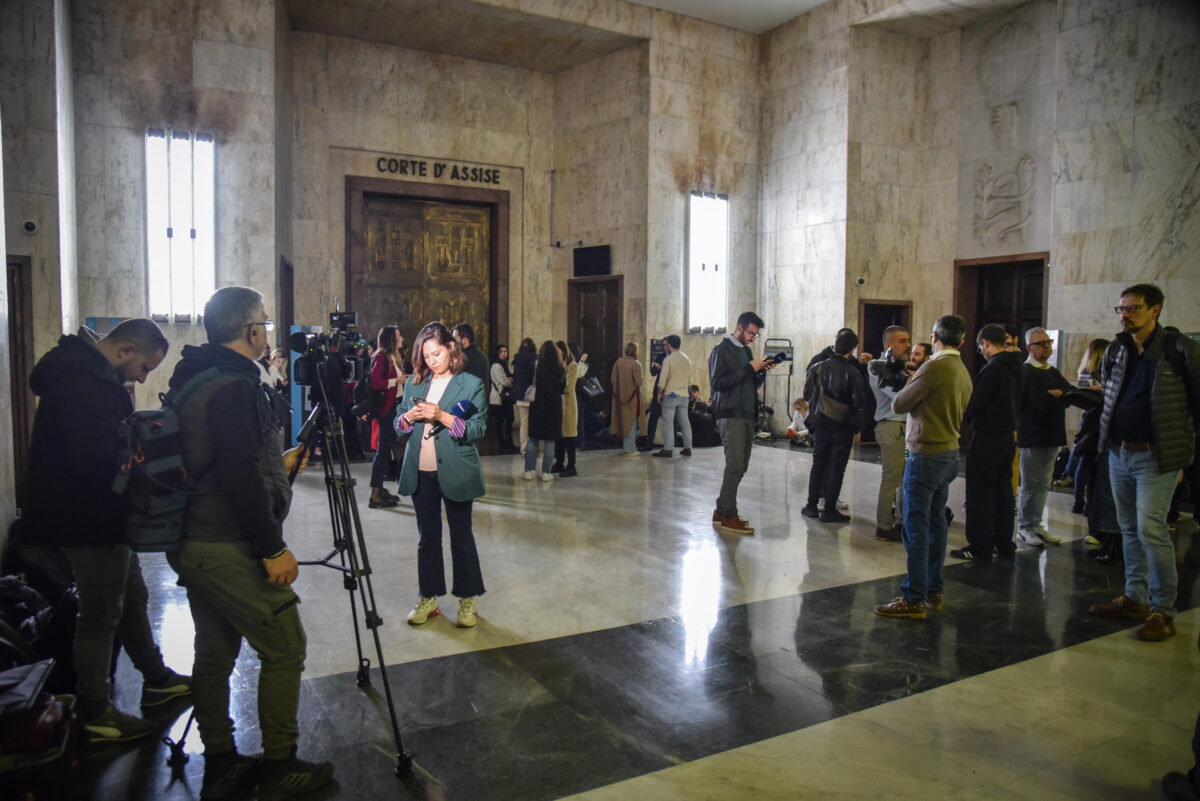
point(594, 322)
point(876, 315)
point(20, 359)
point(400, 271)
point(1006, 289)
point(285, 282)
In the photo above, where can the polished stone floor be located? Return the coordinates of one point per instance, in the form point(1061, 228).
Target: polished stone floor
point(625, 650)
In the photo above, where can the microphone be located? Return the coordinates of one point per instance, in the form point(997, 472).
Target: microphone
point(462, 410)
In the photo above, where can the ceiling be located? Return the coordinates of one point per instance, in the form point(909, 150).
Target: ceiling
point(753, 16)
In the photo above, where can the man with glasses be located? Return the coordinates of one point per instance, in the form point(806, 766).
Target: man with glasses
point(1041, 432)
point(734, 376)
point(1151, 378)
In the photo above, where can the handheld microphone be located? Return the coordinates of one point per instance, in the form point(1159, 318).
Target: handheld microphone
point(779, 358)
point(462, 410)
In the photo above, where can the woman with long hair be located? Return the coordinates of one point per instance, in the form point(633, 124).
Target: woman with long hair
point(500, 400)
point(387, 377)
point(545, 410)
point(441, 468)
point(1081, 467)
point(1089, 364)
point(564, 449)
point(629, 412)
point(522, 368)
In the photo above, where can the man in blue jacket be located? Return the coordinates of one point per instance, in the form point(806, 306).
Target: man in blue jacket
point(68, 502)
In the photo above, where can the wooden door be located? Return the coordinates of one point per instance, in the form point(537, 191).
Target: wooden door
point(1009, 291)
point(594, 322)
point(423, 261)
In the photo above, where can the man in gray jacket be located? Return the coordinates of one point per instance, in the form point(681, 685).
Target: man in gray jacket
point(233, 561)
point(1151, 380)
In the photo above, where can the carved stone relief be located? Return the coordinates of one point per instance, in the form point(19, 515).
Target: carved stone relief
point(1004, 202)
point(1009, 58)
point(1005, 117)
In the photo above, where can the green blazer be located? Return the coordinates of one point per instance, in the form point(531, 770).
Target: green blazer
point(459, 473)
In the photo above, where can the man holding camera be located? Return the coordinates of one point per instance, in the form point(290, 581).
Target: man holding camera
point(888, 375)
point(233, 561)
point(734, 376)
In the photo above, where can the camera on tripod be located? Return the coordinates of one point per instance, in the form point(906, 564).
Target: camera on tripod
point(327, 361)
point(892, 373)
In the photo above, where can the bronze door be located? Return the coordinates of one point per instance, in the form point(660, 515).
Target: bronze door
point(423, 261)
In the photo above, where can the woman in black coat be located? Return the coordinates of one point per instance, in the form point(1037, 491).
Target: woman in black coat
point(545, 410)
point(522, 375)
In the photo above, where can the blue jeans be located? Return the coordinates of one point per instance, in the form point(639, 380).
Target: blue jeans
point(531, 449)
point(1037, 473)
point(1143, 496)
point(927, 480)
point(629, 444)
point(675, 413)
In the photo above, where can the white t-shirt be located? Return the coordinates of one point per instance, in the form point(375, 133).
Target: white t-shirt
point(428, 460)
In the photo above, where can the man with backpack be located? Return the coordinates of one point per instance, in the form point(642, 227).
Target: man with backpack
point(68, 502)
point(232, 559)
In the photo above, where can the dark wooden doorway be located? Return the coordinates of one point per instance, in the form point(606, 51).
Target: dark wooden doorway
point(1010, 290)
point(594, 321)
point(285, 282)
point(876, 315)
point(420, 252)
point(20, 360)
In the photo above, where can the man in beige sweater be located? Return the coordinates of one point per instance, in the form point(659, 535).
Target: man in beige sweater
point(934, 399)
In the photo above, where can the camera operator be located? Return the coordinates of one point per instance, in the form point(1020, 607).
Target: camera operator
point(233, 561)
point(888, 375)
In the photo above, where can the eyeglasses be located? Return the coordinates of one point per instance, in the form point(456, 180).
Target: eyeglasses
point(749, 333)
point(268, 325)
point(1133, 307)
point(1045, 343)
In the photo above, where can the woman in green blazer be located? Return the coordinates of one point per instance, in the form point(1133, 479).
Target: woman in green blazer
point(441, 467)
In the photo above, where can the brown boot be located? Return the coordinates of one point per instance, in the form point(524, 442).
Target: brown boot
point(1157, 627)
point(1121, 606)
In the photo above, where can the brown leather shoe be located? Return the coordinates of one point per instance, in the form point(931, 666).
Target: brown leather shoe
point(888, 534)
point(902, 608)
point(1121, 606)
point(933, 603)
point(733, 525)
point(1157, 627)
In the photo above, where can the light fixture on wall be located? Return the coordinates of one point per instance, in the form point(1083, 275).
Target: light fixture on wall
point(30, 227)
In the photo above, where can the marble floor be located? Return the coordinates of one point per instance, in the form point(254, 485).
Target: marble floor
point(626, 650)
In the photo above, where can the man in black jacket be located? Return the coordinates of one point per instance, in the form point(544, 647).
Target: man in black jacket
point(734, 376)
point(1151, 383)
point(233, 561)
point(475, 360)
point(69, 503)
point(839, 380)
point(992, 414)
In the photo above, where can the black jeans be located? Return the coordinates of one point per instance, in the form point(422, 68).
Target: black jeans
point(431, 570)
point(990, 510)
point(387, 436)
point(831, 452)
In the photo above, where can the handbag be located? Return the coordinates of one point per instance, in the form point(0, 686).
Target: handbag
point(530, 394)
point(590, 386)
point(833, 409)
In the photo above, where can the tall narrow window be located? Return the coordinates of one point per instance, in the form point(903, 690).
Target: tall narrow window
point(708, 261)
point(180, 251)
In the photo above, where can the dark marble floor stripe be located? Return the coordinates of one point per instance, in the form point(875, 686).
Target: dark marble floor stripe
point(543, 720)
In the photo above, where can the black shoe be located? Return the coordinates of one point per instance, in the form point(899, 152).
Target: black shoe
point(1077, 509)
point(949, 516)
point(389, 496)
point(833, 516)
point(894, 534)
point(810, 511)
point(284, 778)
point(968, 554)
point(229, 774)
point(568, 472)
point(557, 468)
point(382, 503)
point(686, 452)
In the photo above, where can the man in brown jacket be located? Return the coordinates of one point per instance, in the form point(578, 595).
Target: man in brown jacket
point(934, 399)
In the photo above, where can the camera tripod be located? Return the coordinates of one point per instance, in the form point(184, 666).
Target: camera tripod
point(350, 549)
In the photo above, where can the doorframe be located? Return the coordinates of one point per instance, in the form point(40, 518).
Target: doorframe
point(573, 314)
point(862, 318)
point(495, 200)
point(21, 360)
point(966, 283)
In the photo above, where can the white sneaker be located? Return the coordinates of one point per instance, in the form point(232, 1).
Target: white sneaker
point(466, 613)
point(547, 477)
point(1046, 536)
point(528, 475)
point(842, 505)
point(1029, 537)
point(425, 609)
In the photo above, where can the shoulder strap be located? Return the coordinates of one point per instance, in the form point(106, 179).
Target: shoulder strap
point(1174, 355)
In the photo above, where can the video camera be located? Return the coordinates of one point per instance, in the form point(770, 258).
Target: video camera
point(327, 361)
point(892, 373)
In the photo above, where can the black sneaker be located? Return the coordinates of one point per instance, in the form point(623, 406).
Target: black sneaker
point(382, 503)
point(833, 516)
point(389, 496)
point(810, 511)
point(114, 726)
point(166, 689)
point(568, 472)
point(968, 554)
point(558, 468)
point(228, 774)
point(284, 778)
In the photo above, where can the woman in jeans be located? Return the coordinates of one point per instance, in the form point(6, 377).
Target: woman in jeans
point(386, 379)
point(545, 410)
point(441, 467)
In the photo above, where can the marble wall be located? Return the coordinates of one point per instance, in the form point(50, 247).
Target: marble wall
point(1126, 163)
point(357, 101)
point(703, 135)
point(8, 501)
point(804, 161)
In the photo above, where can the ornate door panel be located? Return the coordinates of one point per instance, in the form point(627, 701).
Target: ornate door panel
point(423, 261)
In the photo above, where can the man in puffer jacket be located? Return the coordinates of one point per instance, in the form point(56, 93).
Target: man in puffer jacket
point(1151, 380)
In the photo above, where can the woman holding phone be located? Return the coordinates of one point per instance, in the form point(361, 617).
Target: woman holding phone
point(443, 412)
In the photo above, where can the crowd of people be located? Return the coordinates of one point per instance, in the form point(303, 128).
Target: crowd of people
point(1135, 452)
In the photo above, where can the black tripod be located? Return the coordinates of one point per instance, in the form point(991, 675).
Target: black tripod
point(350, 548)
